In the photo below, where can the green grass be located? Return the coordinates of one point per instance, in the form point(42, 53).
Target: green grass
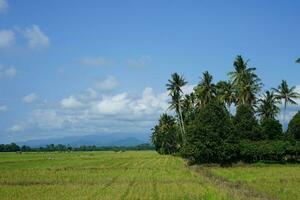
point(100, 175)
point(138, 175)
point(276, 180)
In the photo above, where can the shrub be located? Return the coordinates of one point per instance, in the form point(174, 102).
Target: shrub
point(271, 129)
point(210, 137)
point(294, 127)
point(279, 150)
point(246, 124)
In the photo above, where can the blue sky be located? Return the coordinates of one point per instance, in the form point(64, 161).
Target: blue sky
point(93, 67)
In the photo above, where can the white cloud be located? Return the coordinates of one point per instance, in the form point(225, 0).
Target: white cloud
point(70, 103)
point(16, 128)
point(36, 38)
point(138, 62)
point(119, 112)
point(187, 89)
point(7, 72)
point(46, 119)
point(113, 105)
point(7, 37)
point(3, 108)
point(30, 98)
point(126, 107)
point(96, 61)
point(3, 6)
point(109, 83)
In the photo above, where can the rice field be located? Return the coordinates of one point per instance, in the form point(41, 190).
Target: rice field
point(137, 175)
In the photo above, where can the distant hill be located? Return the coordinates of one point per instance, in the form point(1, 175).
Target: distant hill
point(117, 139)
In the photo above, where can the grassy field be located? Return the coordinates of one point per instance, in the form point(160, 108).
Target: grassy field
point(138, 175)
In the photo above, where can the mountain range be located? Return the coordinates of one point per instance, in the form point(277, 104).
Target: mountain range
point(113, 139)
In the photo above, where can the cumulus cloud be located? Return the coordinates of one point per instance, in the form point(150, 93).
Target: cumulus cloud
point(138, 62)
point(96, 61)
point(30, 98)
point(3, 108)
point(3, 6)
point(16, 128)
point(70, 103)
point(126, 107)
point(7, 72)
point(106, 84)
point(7, 37)
point(36, 38)
point(120, 112)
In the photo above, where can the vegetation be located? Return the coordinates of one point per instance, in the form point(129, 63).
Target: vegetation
point(276, 181)
point(60, 147)
point(101, 175)
point(294, 127)
point(138, 175)
point(209, 132)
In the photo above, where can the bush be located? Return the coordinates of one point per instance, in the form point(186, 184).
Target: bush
point(294, 127)
point(164, 136)
point(246, 124)
point(210, 137)
point(271, 129)
point(279, 151)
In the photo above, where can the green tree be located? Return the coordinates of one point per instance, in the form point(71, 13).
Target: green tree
point(210, 137)
point(271, 129)
point(164, 136)
point(298, 60)
point(188, 107)
point(205, 90)
point(174, 86)
point(246, 124)
point(225, 93)
point(286, 94)
point(267, 108)
point(246, 83)
point(294, 127)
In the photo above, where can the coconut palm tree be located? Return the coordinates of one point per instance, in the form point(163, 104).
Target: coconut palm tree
point(174, 86)
point(205, 90)
point(286, 94)
point(245, 82)
point(163, 135)
point(225, 93)
point(268, 106)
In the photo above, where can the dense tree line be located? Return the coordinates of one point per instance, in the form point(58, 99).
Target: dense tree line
point(62, 148)
point(204, 130)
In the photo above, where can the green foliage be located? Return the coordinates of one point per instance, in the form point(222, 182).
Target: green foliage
point(294, 127)
point(246, 124)
point(164, 136)
point(271, 129)
point(268, 108)
point(210, 137)
point(268, 150)
point(286, 93)
point(174, 86)
point(225, 93)
point(245, 81)
point(205, 90)
point(9, 147)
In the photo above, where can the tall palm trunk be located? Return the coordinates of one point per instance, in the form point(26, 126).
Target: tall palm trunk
point(182, 125)
point(284, 113)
